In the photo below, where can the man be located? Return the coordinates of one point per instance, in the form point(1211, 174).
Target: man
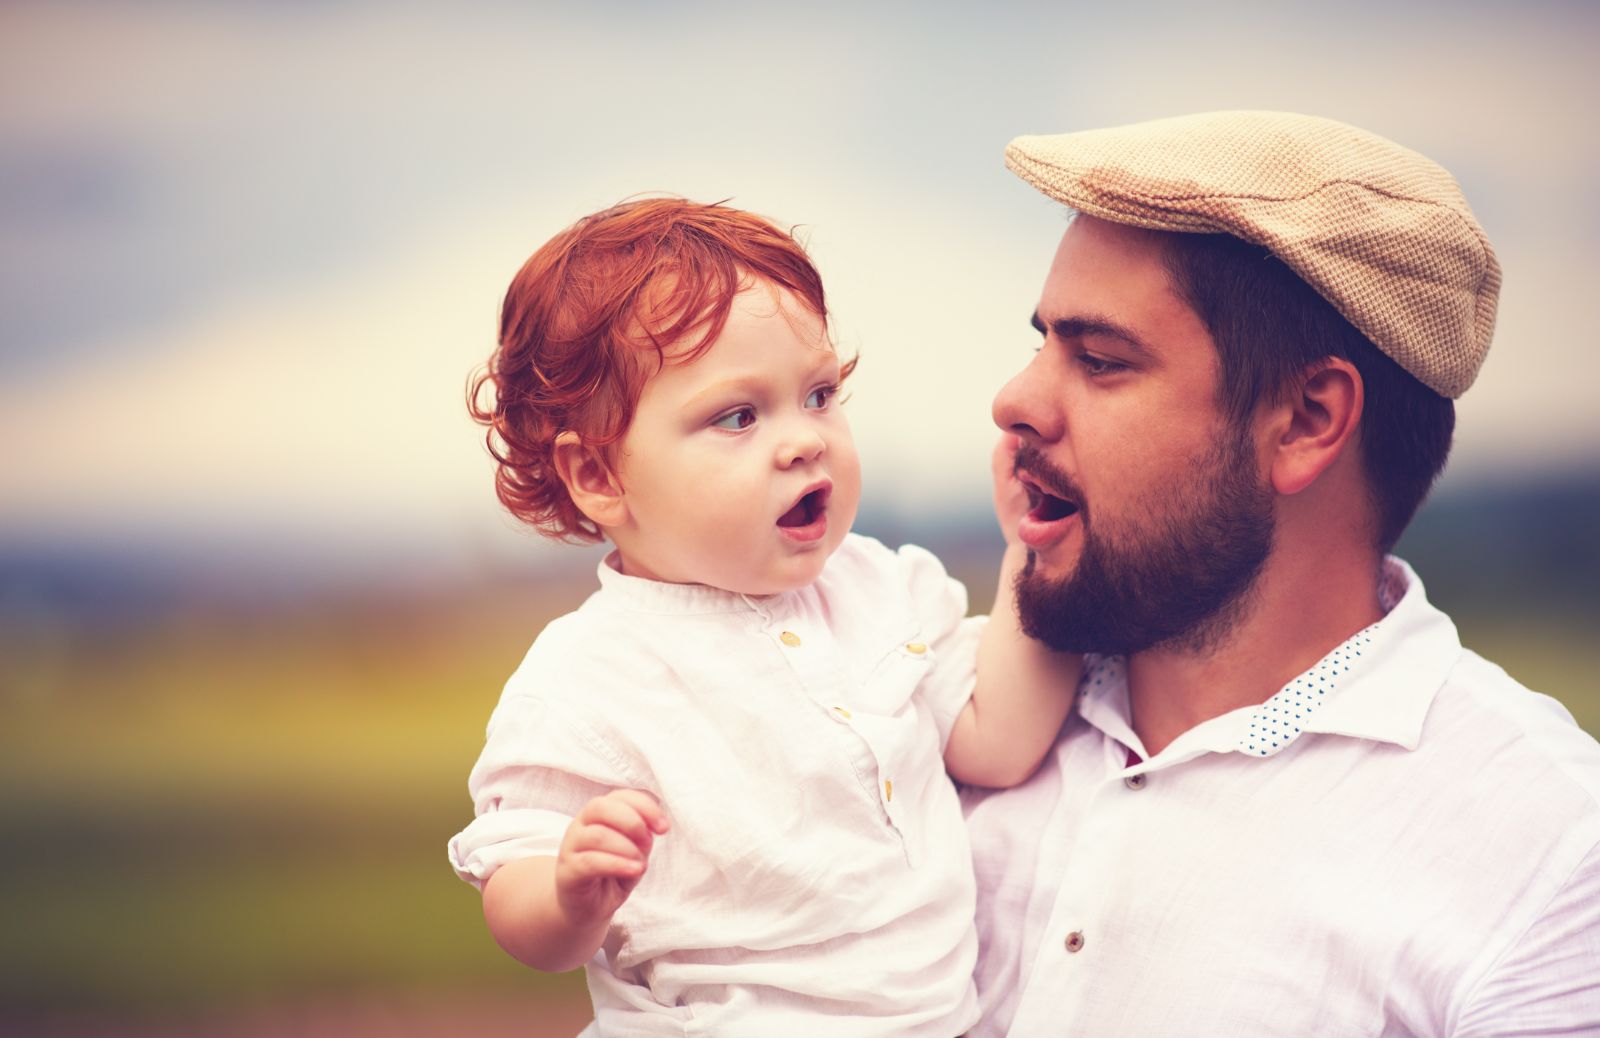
point(1287, 801)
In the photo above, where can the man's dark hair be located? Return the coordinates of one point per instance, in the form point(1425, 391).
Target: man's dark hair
point(1270, 326)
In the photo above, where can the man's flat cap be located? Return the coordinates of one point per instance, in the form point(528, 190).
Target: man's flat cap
point(1381, 232)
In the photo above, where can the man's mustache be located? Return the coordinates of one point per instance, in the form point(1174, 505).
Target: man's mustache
point(1048, 477)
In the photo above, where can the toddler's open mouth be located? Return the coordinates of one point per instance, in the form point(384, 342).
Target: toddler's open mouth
point(807, 519)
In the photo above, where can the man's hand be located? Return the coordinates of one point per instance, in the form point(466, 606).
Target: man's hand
point(1010, 499)
point(605, 853)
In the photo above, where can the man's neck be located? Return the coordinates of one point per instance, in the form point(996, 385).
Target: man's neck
point(1300, 609)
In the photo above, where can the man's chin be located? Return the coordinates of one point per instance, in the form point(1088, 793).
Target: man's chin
point(1049, 566)
point(1156, 595)
point(1050, 613)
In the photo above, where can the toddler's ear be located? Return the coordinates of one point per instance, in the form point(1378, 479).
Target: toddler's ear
point(591, 482)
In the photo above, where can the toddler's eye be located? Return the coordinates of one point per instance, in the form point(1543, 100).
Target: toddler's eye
point(743, 418)
point(821, 396)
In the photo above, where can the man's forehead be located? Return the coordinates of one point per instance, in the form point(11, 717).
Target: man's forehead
point(1090, 245)
point(1112, 279)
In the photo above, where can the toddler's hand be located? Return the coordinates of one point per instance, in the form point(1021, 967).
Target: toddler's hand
point(603, 855)
point(1010, 499)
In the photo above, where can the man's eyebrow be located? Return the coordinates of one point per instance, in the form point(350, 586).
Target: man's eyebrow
point(1078, 327)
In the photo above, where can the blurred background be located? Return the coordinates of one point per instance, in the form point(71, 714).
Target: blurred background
point(256, 595)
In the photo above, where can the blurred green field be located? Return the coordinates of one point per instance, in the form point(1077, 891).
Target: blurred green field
point(223, 809)
point(234, 809)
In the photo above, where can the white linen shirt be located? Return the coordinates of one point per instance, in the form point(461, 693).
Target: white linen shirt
point(816, 878)
point(1404, 841)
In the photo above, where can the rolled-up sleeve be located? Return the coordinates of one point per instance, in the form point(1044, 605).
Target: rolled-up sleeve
point(540, 764)
point(940, 604)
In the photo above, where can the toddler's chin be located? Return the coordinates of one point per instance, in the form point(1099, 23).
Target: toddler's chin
point(793, 581)
point(775, 588)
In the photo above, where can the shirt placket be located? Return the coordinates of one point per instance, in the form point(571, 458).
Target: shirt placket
point(809, 651)
point(1076, 944)
point(1069, 952)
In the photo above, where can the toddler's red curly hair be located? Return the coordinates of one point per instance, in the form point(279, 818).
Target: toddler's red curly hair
point(655, 274)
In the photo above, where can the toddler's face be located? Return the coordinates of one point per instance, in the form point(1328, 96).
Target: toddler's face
point(738, 469)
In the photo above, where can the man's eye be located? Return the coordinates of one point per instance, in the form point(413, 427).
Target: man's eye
point(743, 418)
point(1098, 365)
point(821, 397)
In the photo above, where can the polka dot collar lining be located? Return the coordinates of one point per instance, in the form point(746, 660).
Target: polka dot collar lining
point(1277, 722)
point(1280, 720)
point(1271, 727)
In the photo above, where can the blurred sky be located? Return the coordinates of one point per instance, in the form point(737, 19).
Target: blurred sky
point(249, 252)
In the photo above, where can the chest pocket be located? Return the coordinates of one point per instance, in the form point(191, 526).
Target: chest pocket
point(889, 686)
point(903, 740)
point(893, 722)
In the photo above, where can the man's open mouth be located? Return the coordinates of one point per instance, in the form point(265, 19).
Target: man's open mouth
point(1044, 506)
point(812, 504)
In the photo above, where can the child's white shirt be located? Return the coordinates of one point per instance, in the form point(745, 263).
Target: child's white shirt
point(817, 878)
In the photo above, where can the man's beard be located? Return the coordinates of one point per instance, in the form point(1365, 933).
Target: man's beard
point(1175, 572)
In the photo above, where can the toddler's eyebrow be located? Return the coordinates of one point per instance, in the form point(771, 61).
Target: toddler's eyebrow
point(827, 360)
point(1078, 327)
point(729, 387)
point(755, 385)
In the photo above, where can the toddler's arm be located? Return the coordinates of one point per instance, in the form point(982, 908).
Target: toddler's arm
point(1024, 690)
point(552, 913)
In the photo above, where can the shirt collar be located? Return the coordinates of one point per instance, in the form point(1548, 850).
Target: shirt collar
point(1377, 685)
point(1411, 652)
point(640, 594)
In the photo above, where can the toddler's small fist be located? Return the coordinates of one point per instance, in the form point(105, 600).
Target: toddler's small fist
point(605, 852)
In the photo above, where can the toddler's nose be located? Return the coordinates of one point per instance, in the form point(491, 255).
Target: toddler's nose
point(799, 447)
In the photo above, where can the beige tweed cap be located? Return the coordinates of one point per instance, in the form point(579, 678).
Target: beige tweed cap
point(1381, 232)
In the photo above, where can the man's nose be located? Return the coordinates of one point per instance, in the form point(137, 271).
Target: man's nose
point(1027, 405)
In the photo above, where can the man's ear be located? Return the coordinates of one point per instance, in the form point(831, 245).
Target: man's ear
point(591, 482)
point(1315, 424)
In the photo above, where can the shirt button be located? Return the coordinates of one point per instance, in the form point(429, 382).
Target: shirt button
point(1075, 941)
point(790, 639)
point(916, 648)
point(888, 790)
point(1134, 781)
point(842, 712)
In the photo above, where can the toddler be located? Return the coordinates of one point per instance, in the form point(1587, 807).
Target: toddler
point(720, 783)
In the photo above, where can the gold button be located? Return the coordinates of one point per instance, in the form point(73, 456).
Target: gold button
point(1075, 941)
point(790, 639)
point(1134, 782)
point(917, 648)
point(888, 789)
point(842, 712)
